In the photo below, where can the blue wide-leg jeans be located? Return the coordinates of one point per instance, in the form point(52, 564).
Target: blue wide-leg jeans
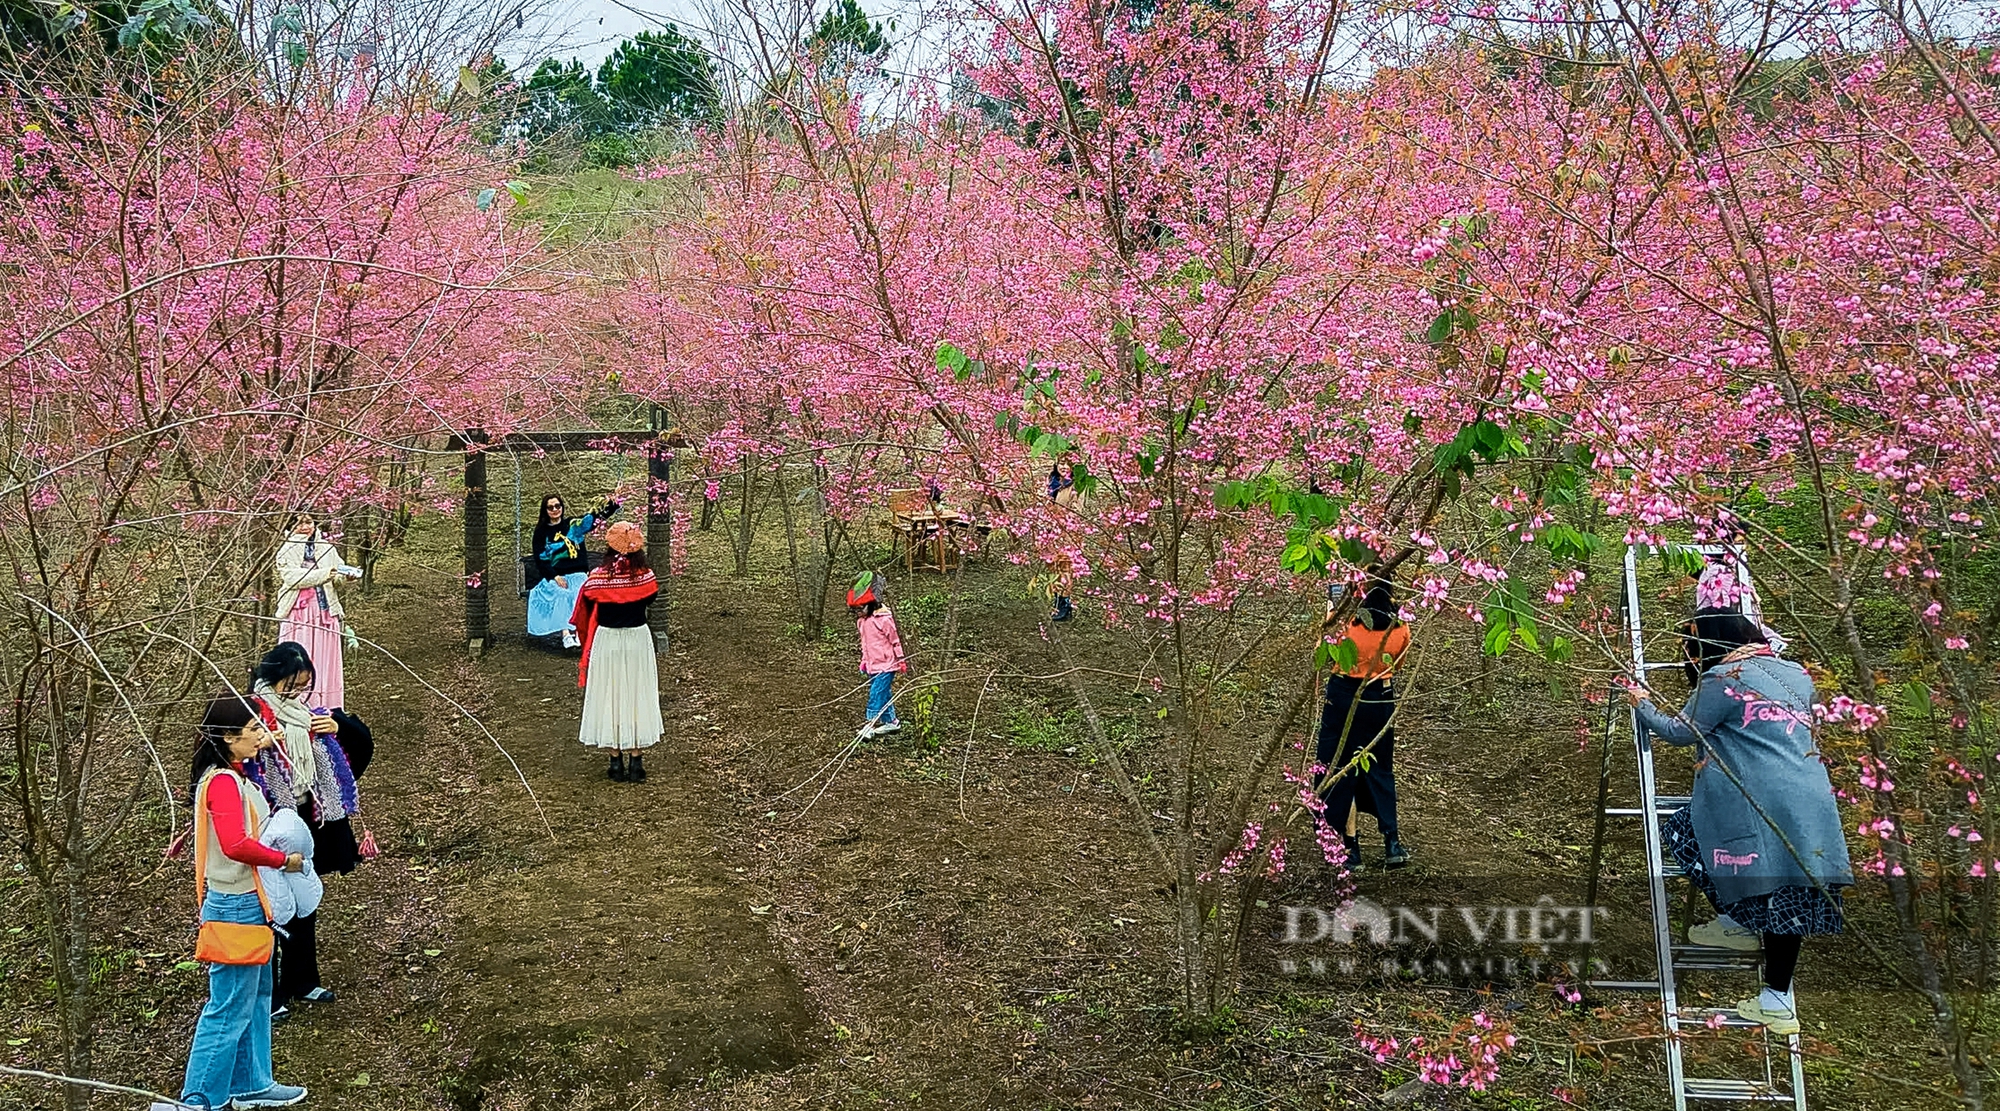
point(232, 1041)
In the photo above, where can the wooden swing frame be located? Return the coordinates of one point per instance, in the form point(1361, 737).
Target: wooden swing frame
point(658, 443)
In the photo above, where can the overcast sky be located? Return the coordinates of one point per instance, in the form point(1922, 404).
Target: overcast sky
point(594, 27)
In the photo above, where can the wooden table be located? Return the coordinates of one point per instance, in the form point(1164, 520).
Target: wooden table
point(940, 521)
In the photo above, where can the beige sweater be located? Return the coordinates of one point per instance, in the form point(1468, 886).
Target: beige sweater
point(295, 575)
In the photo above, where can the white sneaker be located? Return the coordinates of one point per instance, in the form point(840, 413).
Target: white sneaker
point(1770, 1010)
point(570, 639)
point(889, 727)
point(1724, 933)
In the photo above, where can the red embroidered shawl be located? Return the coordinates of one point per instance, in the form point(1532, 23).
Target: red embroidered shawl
point(613, 582)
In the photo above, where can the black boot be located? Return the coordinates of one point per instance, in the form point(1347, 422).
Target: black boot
point(1394, 855)
point(636, 770)
point(1353, 847)
point(617, 771)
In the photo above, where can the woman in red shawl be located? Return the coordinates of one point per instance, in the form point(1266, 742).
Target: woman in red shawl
point(619, 675)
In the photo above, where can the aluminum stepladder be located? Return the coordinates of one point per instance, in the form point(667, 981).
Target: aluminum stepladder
point(1671, 957)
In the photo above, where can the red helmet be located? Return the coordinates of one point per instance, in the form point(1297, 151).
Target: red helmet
point(863, 590)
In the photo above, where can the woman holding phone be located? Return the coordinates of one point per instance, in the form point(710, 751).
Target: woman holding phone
point(308, 610)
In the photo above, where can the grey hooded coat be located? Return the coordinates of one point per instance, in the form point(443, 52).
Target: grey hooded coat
point(1763, 808)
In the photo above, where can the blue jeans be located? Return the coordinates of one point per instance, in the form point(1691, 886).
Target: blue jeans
point(879, 710)
point(232, 1040)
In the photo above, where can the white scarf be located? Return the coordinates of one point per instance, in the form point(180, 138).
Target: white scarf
point(295, 722)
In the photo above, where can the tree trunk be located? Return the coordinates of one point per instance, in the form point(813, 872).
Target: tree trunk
point(67, 900)
point(740, 547)
point(799, 576)
point(820, 570)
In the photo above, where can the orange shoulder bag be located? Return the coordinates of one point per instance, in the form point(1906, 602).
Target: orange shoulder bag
point(228, 942)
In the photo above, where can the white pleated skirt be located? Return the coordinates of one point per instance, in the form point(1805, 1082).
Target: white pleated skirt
point(621, 694)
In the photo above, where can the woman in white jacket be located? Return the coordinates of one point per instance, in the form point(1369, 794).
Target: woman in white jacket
point(309, 609)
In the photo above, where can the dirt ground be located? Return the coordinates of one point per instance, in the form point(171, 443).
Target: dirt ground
point(964, 924)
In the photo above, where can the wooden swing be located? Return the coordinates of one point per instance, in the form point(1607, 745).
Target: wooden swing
point(658, 443)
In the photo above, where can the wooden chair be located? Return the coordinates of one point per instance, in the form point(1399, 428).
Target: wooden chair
point(904, 505)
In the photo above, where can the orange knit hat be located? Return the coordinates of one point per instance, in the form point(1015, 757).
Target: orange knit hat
point(625, 537)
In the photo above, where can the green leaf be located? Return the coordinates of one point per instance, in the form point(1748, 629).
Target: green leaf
point(1559, 650)
point(1686, 561)
point(1919, 694)
point(468, 81)
point(1440, 329)
point(1498, 635)
point(1086, 482)
point(485, 199)
point(1527, 634)
point(1347, 655)
point(517, 188)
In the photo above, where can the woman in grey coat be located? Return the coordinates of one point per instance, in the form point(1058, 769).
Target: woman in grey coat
point(1761, 836)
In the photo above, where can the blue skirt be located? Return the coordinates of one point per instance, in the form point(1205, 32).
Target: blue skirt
point(1798, 910)
point(549, 605)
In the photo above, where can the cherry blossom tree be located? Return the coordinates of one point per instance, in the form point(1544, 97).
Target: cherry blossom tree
point(1540, 284)
point(215, 310)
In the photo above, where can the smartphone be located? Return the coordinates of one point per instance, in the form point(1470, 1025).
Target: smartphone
point(1334, 592)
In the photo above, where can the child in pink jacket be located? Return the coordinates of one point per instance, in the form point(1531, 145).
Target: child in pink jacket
point(881, 654)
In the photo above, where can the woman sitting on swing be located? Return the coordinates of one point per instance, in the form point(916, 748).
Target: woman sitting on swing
point(560, 564)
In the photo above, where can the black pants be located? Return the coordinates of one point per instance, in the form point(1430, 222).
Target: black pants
point(298, 961)
point(1781, 959)
point(1372, 791)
